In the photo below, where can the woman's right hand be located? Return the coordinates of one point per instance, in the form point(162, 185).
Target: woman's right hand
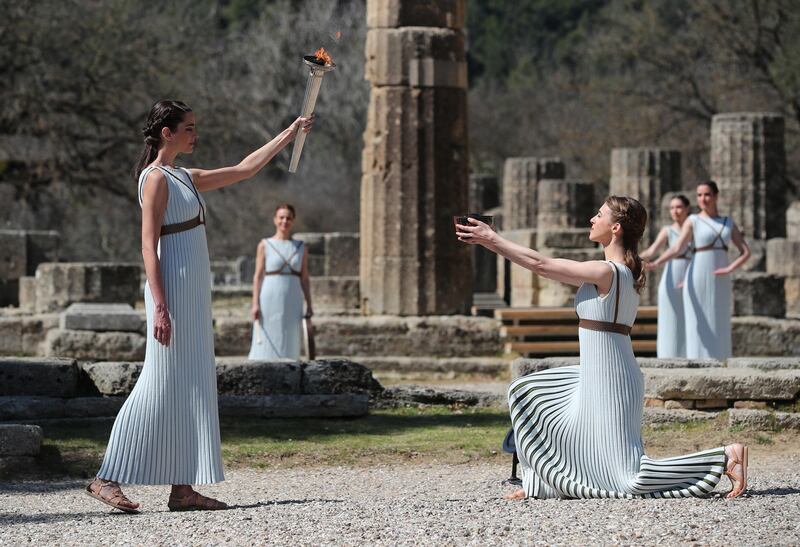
point(302, 124)
point(162, 325)
point(255, 312)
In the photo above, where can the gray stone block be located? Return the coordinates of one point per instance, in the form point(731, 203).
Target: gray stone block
point(756, 293)
point(564, 238)
point(42, 246)
point(238, 376)
point(521, 177)
point(758, 256)
point(113, 378)
point(337, 376)
point(656, 417)
point(654, 362)
point(402, 396)
point(38, 376)
point(721, 383)
point(20, 440)
point(793, 221)
point(27, 294)
point(335, 294)
point(35, 408)
point(415, 13)
point(103, 317)
point(24, 334)
point(341, 254)
point(295, 406)
point(524, 366)
point(765, 336)
point(783, 257)
point(763, 419)
point(99, 346)
point(13, 254)
point(565, 204)
point(60, 284)
point(765, 363)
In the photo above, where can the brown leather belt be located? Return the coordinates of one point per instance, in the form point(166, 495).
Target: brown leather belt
point(283, 273)
point(181, 226)
point(604, 326)
point(711, 248)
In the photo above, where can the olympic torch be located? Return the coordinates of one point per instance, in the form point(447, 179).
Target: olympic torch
point(319, 64)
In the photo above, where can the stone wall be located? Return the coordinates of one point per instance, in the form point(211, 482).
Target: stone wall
point(21, 252)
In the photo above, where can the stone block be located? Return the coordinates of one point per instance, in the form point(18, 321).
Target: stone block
point(677, 404)
point(750, 405)
point(341, 254)
point(415, 181)
point(660, 417)
point(27, 293)
point(38, 376)
point(645, 174)
point(705, 404)
point(20, 440)
point(765, 336)
point(60, 284)
point(403, 396)
point(565, 204)
point(675, 362)
point(35, 408)
point(239, 376)
point(417, 57)
point(763, 419)
point(756, 293)
point(23, 334)
point(113, 377)
point(791, 288)
point(337, 376)
point(336, 405)
point(335, 294)
point(748, 162)
point(654, 403)
point(488, 366)
point(521, 178)
point(103, 317)
point(764, 363)
point(42, 246)
point(565, 238)
point(524, 365)
point(416, 13)
point(783, 257)
point(13, 254)
point(721, 383)
point(793, 221)
point(91, 345)
point(758, 256)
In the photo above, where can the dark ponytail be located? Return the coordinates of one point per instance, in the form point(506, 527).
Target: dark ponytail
point(632, 217)
point(163, 114)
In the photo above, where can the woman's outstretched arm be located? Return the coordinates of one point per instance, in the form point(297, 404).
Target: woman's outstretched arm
point(258, 279)
point(155, 195)
point(212, 179)
point(676, 248)
point(662, 238)
point(737, 238)
point(567, 271)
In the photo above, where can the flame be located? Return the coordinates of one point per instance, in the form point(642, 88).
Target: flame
point(323, 56)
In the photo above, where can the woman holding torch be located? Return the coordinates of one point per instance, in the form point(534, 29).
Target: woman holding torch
point(167, 432)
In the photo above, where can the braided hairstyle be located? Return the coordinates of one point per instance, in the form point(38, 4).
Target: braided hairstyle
point(163, 114)
point(632, 217)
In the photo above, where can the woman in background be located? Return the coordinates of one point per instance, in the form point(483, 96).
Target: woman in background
point(671, 339)
point(707, 288)
point(279, 285)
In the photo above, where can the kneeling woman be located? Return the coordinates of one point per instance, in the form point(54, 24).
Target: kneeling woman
point(578, 429)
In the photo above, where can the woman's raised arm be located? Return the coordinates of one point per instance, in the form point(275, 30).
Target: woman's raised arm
point(737, 238)
point(677, 247)
point(212, 179)
point(661, 238)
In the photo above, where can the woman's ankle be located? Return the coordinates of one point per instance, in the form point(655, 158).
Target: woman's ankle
point(181, 490)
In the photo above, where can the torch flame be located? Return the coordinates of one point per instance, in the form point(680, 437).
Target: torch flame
point(323, 56)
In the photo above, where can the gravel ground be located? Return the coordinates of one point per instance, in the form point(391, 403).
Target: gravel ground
point(401, 504)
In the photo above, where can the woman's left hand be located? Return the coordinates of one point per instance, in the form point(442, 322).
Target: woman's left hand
point(477, 233)
point(721, 271)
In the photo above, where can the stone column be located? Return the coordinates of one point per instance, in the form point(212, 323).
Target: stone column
point(748, 162)
point(645, 174)
point(564, 204)
point(521, 177)
point(415, 162)
point(483, 197)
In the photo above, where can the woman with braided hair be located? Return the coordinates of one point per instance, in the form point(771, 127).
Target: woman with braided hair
point(577, 430)
point(167, 432)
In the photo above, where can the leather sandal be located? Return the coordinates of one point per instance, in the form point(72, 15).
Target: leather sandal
point(116, 497)
point(195, 502)
point(739, 482)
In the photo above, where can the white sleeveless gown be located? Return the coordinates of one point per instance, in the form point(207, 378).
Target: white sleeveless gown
point(671, 338)
point(578, 429)
point(167, 432)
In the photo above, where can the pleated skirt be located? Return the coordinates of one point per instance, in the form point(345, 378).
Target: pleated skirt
point(707, 307)
point(671, 339)
point(578, 431)
point(281, 322)
point(167, 432)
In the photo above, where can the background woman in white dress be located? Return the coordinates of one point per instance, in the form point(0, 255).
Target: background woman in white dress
point(577, 430)
point(279, 284)
point(707, 287)
point(167, 432)
point(671, 339)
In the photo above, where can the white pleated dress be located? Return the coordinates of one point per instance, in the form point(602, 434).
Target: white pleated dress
point(707, 297)
point(278, 332)
point(578, 429)
point(671, 339)
point(167, 432)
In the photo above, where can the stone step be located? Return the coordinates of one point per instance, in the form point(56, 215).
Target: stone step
point(457, 365)
point(49, 377)
point(763, 419)
point(765, 363)
point(103, 317)
point(524, 365)
point(20, 440)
